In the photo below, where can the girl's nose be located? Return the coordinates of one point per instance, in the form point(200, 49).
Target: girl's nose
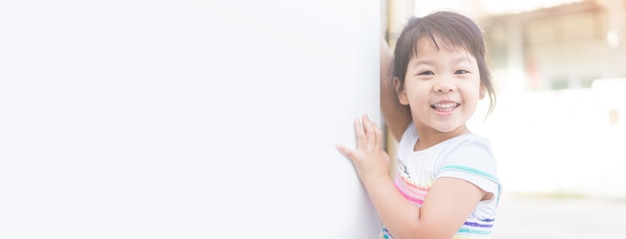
point(444, 85)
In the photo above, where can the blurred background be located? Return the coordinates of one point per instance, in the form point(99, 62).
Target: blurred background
point(559, 126)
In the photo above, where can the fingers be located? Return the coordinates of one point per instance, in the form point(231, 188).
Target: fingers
point(368, 135)
point(369, 132)
point(344, 150)
point(361, 140)
point(373, 133)
point(379, 135)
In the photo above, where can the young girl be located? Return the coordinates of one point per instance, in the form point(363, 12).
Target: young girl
point(445, 185)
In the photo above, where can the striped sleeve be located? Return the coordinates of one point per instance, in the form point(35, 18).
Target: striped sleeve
point(484, 180)
point(473, 161)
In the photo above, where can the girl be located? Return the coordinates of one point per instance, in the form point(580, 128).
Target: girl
point(445, 185)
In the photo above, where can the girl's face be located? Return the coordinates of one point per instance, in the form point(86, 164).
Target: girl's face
point(442, 87)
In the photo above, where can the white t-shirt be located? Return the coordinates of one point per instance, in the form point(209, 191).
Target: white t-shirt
point(468, 157)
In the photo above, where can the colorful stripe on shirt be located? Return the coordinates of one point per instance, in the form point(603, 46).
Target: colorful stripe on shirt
point(473, 228)
point(411, 191)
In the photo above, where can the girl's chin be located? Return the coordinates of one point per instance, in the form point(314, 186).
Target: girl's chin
point(447, 128)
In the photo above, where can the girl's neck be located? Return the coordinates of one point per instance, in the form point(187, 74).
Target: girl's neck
point(430, 137)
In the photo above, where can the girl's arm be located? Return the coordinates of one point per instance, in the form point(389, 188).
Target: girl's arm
point(448, 204)
point(396, 115)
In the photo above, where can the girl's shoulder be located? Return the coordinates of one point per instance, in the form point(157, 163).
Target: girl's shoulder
point(408, 139)
point(470, 151)
point(410, 133)
point(470, 140)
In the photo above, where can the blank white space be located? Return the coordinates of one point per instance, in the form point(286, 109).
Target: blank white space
point(184, 119)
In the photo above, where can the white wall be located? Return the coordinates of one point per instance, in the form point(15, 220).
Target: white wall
point(559, 142)
point(184, 119)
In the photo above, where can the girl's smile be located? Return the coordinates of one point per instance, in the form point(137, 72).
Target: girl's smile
point(442, 88)
point(445, 108)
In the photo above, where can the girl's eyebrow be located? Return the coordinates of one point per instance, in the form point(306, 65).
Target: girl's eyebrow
point(456, 60)
point(460, 59)
point(423, 62)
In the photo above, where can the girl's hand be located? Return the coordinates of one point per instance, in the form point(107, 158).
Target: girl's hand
point(369, 158)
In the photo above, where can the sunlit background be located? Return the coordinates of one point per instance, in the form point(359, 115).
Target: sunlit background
point(559, 126)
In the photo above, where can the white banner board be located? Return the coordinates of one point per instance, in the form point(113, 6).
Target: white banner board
point(184, 119)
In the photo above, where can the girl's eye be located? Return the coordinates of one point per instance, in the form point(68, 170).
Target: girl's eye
point(461, 72)
point(426, 73)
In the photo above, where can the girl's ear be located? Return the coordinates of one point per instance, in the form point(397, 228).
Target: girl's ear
point(401, 92)
point(482, 91)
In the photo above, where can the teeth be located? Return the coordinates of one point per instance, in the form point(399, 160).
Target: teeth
point(444, 106)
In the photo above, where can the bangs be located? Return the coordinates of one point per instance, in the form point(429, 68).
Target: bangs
point(442, 38)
